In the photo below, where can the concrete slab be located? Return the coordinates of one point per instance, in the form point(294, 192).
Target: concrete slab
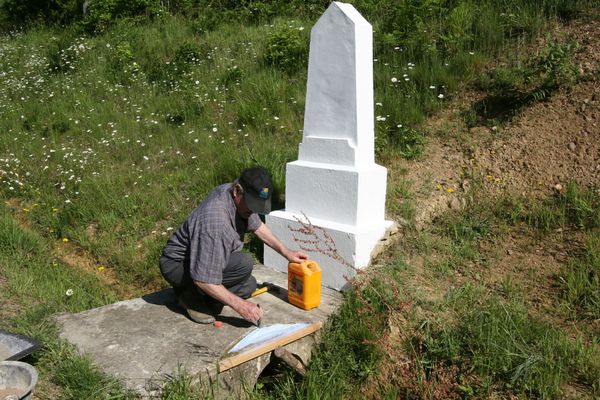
point(142, 341)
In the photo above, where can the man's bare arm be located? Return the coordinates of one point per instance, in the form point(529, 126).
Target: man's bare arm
point(265, 234)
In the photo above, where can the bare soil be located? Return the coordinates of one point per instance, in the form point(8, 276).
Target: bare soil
point(544, 147)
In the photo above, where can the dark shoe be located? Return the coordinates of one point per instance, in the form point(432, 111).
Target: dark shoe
point(195, 306)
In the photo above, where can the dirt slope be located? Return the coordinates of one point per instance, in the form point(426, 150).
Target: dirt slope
point(537, 153)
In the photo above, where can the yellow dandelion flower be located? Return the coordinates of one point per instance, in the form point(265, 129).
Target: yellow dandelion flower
point(450, 190)
point(101, 268)
point(65, 240)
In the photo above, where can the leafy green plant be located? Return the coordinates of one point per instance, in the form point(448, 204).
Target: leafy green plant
point(286, 49)
point(61, 54)
point(408, 141)
point(101, 14)
point(552, 69)
point(458, 34)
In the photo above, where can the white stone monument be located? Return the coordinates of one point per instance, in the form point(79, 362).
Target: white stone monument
point(335, 193)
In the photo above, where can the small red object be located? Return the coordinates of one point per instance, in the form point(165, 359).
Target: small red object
point(218, 324)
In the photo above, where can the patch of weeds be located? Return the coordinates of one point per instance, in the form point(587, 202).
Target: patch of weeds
point(554, 66)
point(511, 88)
point(468, 227)
point(81, 380)
point(406, 141)
point(102, 14)
point(187, 53)
point(168, 74)
point(580, 281)
point(546, 216)
point(61, 54)
point(121, 63)
point(181, 387)
point(210, 19)
point(175, 118)
point(349, 354)
point(58, 125)
point(401, 201)
point(465, 230)
point(510, 350)
point(232, 75)
point(286, 49)
point(576, 206)
point(510, 209)
point(510, 288)
point(14, 241)
point(409, 141)
point(582, 206)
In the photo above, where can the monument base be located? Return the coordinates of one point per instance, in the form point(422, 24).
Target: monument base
point(340, 250)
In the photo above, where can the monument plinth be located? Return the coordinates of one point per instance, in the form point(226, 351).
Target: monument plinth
point(335, 193)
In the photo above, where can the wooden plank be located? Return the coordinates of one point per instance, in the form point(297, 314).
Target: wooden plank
point(263, 348)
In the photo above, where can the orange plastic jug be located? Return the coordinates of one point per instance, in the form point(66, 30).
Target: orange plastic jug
point(304, 284)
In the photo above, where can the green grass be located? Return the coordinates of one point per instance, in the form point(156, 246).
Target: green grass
point(110, 139)
point(39, 286)
point(482, 339)
point(580, 281)
point(349, 353)
point(506, 346)
point(576, 207)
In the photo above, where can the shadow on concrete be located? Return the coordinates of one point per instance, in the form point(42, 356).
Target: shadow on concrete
point(276, 291)
point(234, 321)
point(165, 297)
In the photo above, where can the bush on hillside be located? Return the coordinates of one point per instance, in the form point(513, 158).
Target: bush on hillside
point(287, 49)
point(94, 15)
point(18, 13)
point(100, 14)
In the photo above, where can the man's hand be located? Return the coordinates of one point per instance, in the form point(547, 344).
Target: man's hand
point(295, 256)
point(247, 310)
point(250, 312)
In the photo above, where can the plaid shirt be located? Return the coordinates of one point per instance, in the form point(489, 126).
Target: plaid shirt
point(209, 235)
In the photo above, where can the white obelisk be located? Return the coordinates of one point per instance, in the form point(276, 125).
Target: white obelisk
point(335, 193)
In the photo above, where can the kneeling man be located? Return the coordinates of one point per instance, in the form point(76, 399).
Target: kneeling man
point(203, 259)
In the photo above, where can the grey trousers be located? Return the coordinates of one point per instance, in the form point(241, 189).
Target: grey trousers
point(237, 276)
